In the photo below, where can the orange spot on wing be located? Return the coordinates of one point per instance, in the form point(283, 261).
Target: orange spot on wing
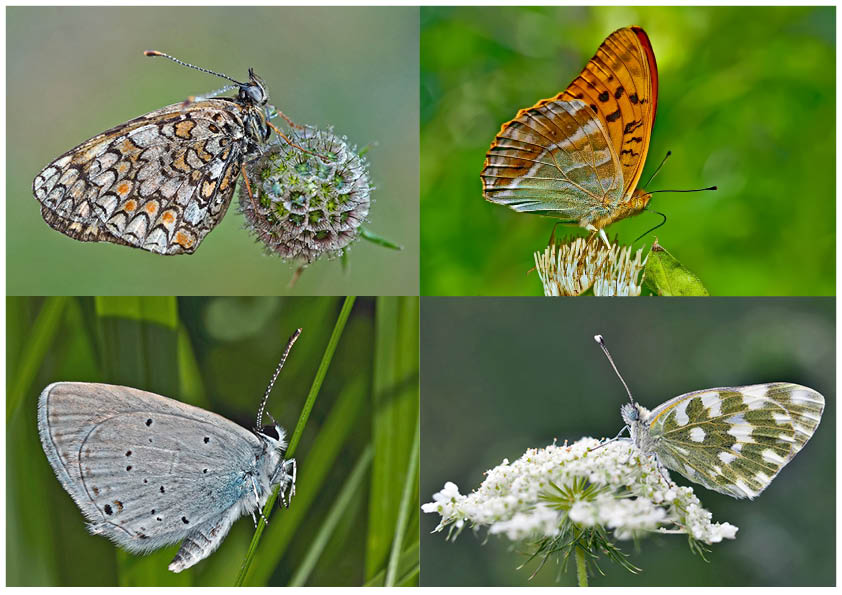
point(183, 239)
point(151, 208)
point(123, 188)
point(168, 217)
point(130, 206)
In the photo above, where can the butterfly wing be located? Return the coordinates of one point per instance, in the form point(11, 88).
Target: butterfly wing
point(145, 470)
point(735, 440)
point(556, 159)
point(620, 84)
point(160, 182)
point(559, 159)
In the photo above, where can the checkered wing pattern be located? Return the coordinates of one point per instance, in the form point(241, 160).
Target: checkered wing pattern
point(735, 440)
point(159, 182)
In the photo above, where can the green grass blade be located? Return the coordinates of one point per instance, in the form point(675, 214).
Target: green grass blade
point(347, 305)
point(407, 568)
point(394, 421)
point(299, 430)
point(410, 579)
point(352, 486)
point(34, 349)
point(408, 501)
point(312, 475)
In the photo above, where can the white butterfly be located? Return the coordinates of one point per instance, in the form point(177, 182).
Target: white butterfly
point(733, 440)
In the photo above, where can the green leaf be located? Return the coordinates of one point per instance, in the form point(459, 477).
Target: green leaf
point(372, 237)
point(666, 276)
point(35, 347)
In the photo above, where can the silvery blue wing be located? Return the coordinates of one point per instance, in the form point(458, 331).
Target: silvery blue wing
point(148, 471)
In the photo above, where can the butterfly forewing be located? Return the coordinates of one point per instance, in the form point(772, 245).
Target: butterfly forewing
point(735, 440)
point(620, 83)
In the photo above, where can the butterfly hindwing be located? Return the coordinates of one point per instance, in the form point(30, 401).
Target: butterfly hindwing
point(118, 452)
point(735, 440)
point(554, 158)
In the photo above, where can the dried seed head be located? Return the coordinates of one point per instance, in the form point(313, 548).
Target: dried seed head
point(305, 205)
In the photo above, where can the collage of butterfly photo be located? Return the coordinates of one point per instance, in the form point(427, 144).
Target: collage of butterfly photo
point(291, 295)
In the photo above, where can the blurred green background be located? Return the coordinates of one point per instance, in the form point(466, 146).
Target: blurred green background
point(504, 375)
point(75, 72)
point(746, 101)
point(219, 354)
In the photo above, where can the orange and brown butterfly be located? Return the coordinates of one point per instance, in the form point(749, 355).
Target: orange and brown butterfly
point(160, 182)
point(578, 156)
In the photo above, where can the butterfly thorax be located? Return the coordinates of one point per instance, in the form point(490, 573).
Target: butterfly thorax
point(253, 98)
point(632, 206)
point(636, 418)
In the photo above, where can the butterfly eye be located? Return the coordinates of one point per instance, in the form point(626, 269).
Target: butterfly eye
point(270, 432)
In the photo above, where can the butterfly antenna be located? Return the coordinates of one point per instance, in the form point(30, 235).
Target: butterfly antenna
point(657, 169)
point(696, 190)
point(199, 68)
point(262, 408)
point(654, 228)
point(599, 339)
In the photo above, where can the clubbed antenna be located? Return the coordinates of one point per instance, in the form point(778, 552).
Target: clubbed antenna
point(260, 411)
point(199, 68)
point(599, 339)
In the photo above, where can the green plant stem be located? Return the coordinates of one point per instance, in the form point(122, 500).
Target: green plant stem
point(320, 374)
point(581, 568)
point(403, 514)
point(299, 430)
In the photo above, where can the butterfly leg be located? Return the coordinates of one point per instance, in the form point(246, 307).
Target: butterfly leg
point(614, 439)
point(280, 133)
point(288, 470)
point(257, 501)
point(248, 188)
point(663, 472)
point(276, 112)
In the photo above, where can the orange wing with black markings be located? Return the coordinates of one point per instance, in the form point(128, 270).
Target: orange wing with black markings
point(579, 156)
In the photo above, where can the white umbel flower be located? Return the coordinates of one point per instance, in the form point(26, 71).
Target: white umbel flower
point(575, 266)
point(614, 487)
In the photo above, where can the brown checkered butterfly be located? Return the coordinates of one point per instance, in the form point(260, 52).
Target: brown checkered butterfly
point(163, 181)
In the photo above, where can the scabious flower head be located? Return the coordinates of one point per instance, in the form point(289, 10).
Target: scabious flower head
point(576, 265)
point(558, 491)
point(307, 205)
